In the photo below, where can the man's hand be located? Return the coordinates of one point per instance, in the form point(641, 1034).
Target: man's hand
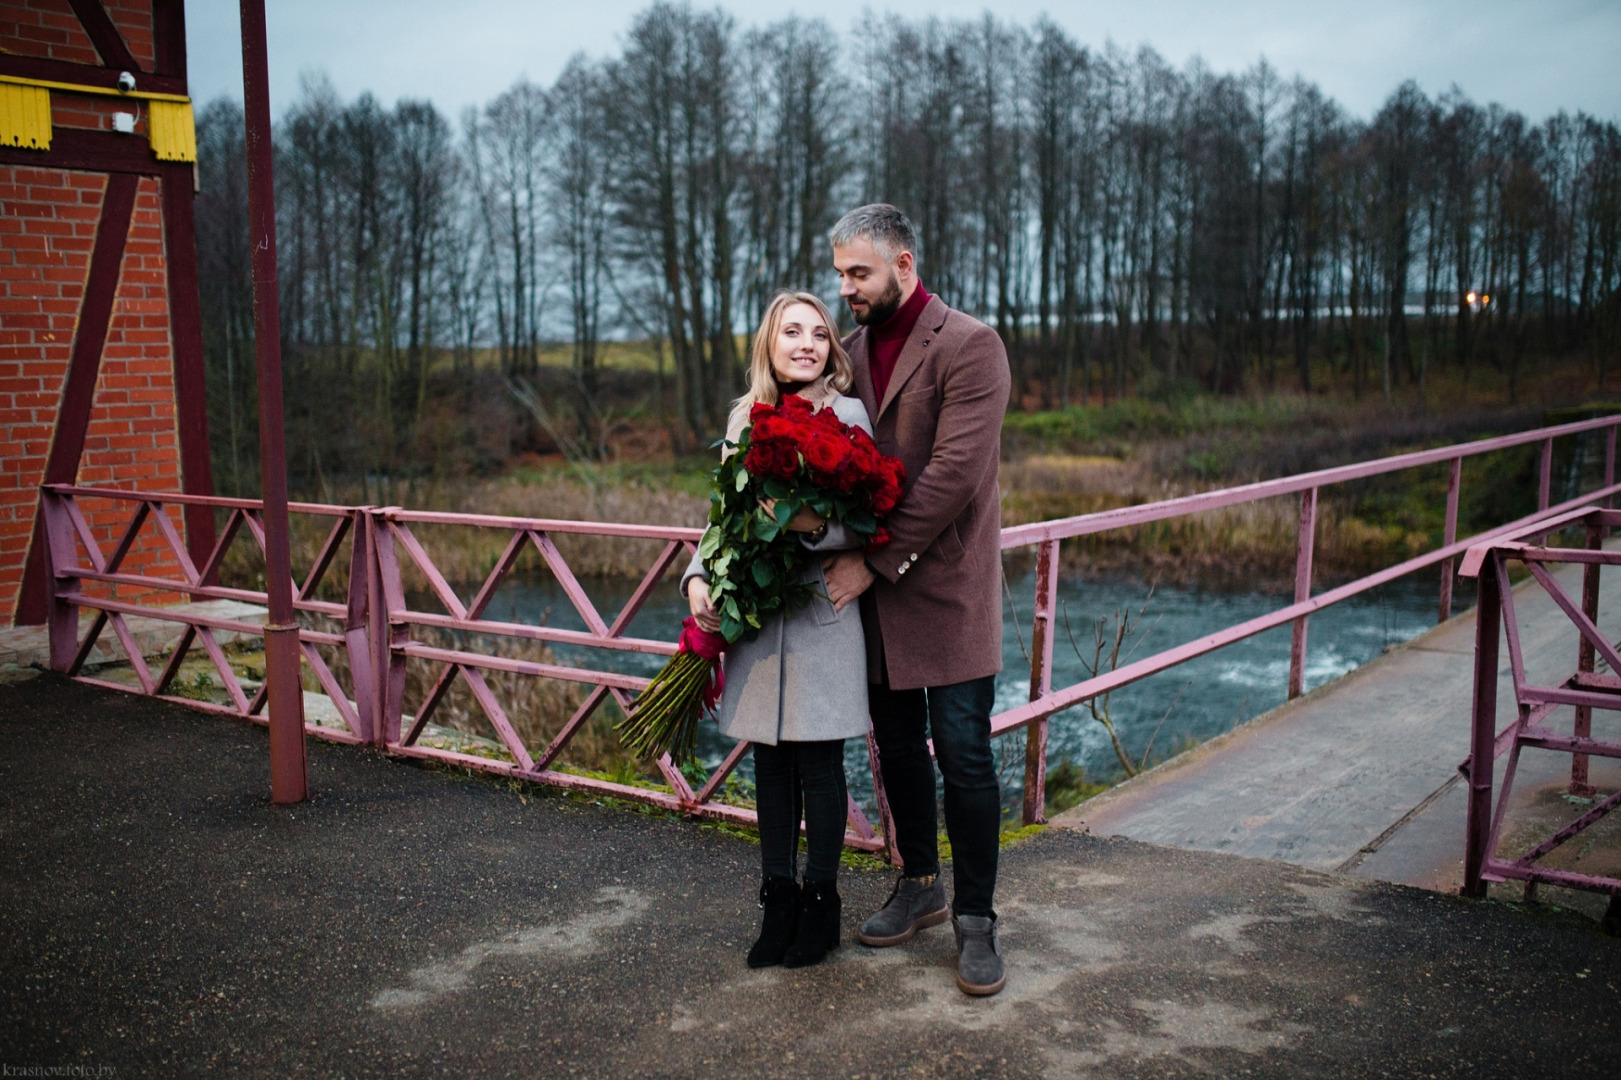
point(847, 577)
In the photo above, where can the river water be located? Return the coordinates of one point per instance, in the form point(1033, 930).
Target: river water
point(1157, 717)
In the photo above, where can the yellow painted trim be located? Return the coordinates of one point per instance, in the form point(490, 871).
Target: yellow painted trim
point(25, 117)
point(172, 131)
point(79, 88)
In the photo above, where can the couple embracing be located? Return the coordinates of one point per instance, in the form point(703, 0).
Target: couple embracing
point(910, 635)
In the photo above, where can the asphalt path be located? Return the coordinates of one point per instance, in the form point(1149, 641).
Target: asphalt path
point(158, 917)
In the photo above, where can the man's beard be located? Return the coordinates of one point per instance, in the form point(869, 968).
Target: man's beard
point(879, 310)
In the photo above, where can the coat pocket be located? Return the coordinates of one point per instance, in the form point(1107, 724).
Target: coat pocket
point(820, 604)
point(916, 416)
point(948, 545)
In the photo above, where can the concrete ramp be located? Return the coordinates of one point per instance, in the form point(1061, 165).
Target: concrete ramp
point(1360, 775)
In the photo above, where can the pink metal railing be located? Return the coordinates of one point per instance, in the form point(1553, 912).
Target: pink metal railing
point(1047, 535)
point(378, 620)
point(67, 533)
point(1583, 689)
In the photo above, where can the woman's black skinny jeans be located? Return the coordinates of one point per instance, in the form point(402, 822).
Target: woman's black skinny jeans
point(794, 780)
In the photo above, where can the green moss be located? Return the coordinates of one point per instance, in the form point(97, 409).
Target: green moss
point(1067, 786)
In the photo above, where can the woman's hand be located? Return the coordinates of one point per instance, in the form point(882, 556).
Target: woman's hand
point(702, 610)
point(806, 521)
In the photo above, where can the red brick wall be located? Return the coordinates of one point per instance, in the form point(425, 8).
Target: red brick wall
point(49, 28)
point(48, 221)
point(45, 28)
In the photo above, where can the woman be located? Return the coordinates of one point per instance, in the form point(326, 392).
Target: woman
point(799, 688)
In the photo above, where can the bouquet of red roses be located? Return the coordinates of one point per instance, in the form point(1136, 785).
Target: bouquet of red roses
point(799, 458)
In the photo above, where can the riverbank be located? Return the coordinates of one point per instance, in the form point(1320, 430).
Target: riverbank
point(1058, 464)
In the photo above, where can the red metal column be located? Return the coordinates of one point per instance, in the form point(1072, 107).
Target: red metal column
point(288, 777)
point(84, 365)
point(186, 339)
point(1483, 731)
point(1303, 552)
point(1041, 682)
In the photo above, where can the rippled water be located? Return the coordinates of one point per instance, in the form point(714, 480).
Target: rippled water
point(1156, 717)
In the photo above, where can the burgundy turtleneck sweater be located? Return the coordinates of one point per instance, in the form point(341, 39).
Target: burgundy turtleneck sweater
point(889, 337)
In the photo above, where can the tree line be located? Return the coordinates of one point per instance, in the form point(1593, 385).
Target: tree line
point(1126, 225)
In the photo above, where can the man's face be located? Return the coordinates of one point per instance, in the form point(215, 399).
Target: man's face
point(867, 281)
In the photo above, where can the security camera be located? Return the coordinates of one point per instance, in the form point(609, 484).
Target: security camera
point(126, 82)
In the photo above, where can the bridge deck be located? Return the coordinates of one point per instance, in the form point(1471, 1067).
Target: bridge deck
point(1361, 774)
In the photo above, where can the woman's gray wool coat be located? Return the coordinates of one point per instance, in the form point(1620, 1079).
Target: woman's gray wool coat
point(804, 676)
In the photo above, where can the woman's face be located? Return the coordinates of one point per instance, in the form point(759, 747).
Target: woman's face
point(799, 355)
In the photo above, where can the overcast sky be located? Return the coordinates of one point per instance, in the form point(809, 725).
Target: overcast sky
point(1537, 56)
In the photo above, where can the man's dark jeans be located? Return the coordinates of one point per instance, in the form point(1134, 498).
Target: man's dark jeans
point(958, 716)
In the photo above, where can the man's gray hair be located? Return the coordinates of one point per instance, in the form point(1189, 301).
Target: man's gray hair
point(888, 230)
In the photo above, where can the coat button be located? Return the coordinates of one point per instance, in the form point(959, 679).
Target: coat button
point(914, 556)
point(902, 568)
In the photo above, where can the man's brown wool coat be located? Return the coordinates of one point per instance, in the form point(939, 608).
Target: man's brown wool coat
point(936, 607)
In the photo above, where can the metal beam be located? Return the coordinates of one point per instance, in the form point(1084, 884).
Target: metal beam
point(79, 388)
point(40, 67)
point(289, 781)
point(186, 343)
point(169, 38)
point(104, 35)
point(89, 151)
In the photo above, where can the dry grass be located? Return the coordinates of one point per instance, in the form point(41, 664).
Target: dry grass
point(537, 708)
point(465, 555)
point(1250, 544)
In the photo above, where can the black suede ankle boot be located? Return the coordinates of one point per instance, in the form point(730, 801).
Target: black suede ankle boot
point(779, 896)
point(818, 931)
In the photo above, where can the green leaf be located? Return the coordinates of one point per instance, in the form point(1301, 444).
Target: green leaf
point(709, 544)
point(742, 479)
point(762, 573)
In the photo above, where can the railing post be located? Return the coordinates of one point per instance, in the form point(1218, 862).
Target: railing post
point(60, 553)
point(1483, 729)
point(1449, 536)
point(1041, 682)
point(357, 627)
point(1303, 553)
point(1583, 727)
point(886, 817)
point(1609, 467)
point(386, 597)
point(1545, 474)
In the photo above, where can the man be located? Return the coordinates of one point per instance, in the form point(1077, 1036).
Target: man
point(935, 382)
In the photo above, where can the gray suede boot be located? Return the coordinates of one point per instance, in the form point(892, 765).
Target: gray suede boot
point(912, 906)
point(979, 955)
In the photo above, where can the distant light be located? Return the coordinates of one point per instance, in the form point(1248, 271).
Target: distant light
point(1469, 297)
point(1484, 299)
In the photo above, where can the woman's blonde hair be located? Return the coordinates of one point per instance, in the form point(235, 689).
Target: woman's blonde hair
point(838, 375)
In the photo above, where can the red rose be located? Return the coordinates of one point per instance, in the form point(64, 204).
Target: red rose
point(772, 457)
point(793, 403)
point(761, 409)
point(825, 452)
point(880, 539)
point(771, 426)
point(829, 420)
point(758, 460)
